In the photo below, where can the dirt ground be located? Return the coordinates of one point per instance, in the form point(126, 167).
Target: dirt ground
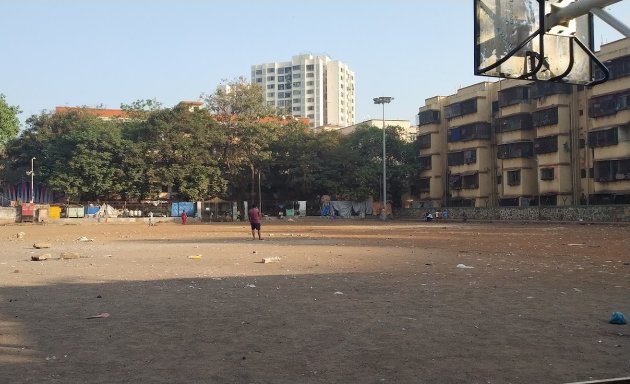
point(347, 302)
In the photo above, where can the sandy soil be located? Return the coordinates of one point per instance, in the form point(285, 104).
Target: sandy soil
point(347, 302)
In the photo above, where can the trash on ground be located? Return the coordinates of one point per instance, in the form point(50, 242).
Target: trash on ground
point(250, 286)
point(41, 257)
point(20, 235)
point(576, 245)
point(195, 257)
point(83, 238)
point(99, 316)
point(462, 266)
point(274, 259)
point(338, 293)
point(41, 245)
point(617, 318)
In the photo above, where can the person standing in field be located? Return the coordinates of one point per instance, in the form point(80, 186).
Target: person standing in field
point(184, 217)
point(254, 221)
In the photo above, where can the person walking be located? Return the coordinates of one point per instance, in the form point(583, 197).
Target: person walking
point(184, 217)
point(254, 221)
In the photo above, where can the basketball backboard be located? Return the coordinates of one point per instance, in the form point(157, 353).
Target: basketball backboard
point(512, 41)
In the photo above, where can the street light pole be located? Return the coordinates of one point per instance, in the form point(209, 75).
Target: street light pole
point(384, 100)
point(32, 173)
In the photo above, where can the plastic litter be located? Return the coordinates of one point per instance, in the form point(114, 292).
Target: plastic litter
point(462, 266)
point(617, 318)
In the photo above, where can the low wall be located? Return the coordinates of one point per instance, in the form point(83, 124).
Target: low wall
point(592, 213)
point(7, 215)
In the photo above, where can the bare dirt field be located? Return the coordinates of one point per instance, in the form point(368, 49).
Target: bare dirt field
point(345, 302)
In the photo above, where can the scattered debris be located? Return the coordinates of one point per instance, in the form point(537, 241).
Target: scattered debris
point(69, 255)
point(576, 245)
point(195, 257)
point(338, 293)
point(250, 286)
point(43, 257)
point(16, 271)
point(617, 318)
point(268, 260)
point(462, 266)
point(41, 245)
point(83, 238)
point(20, 235)
point(99, 316)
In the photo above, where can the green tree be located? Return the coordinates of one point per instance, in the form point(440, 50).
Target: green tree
point(9, 123)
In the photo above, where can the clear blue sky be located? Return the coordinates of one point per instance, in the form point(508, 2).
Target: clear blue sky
point(98, 52)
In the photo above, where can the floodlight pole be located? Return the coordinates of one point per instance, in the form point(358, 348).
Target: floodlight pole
point(582, 7)
point(32, 173)
point(384, 100)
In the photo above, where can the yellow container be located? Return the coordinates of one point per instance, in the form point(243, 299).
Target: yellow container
point(55, 212)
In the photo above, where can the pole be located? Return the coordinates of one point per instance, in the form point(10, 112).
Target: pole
point(259, 194)
point(32, 176)
point(384, 100)
point(384, 211)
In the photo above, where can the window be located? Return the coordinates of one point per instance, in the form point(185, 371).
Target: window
point(468, 156)
point(512, 96)
point(271, 86)
point(310, 83)
point(271, 78)
point(310, 67)
point(271, 94)
point(609, 104)
point(296, 101)
point(281, 78)
point(296, 67)
point(259, 71)
point(297, 109)
point(271, 70)
point(547, 144)
point(546, 173)
point(310, 91)
point(281, 87)
point(310, 74)
point(424, 141)
point(464, 181)
point(311, 108)
point(618, 67)
point(287, 69)
point(545, 117)
point(521, 149)
point(424, 184)
point(310, 100)
point(297, 76)
point(259, 79)
point(474, 131)
point(604, 138)
point(612, 170)
point(430, 116)
point(514, 177)
point(460, 109)
point(297, 84)
point(542, 89)
point(521, 121)
point(296, 92)
point(311, 116)
point(425, 163)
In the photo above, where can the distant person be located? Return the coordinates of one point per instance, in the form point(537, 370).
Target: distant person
point(151, 223)
point(184, 217)
point(428, 216)
point(254, 221)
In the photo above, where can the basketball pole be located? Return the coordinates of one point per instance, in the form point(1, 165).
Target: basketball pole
point(582, 7)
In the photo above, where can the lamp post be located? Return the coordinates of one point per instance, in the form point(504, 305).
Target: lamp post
point(384, 100)
point(32, 174)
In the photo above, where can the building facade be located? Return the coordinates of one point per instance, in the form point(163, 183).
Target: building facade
point(315, 87)
point(520, 143)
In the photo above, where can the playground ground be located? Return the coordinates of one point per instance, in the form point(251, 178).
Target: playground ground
point(343, 301)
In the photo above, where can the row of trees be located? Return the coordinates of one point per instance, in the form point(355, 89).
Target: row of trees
point(218, 151)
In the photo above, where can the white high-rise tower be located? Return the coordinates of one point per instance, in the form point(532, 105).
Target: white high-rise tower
point(309, 86)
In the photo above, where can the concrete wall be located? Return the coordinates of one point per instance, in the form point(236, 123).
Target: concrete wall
point(593, 213)
point(7, 215)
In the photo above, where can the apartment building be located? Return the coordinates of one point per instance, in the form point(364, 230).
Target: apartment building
point(315, 87)
point(518, 143)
